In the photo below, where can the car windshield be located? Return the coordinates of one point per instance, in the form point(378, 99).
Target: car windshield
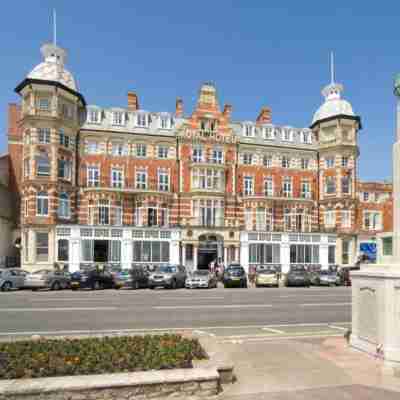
point(235, 269)
point(267, 270)
point(166, 269)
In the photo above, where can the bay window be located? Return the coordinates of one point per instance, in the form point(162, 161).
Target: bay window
point(264, 253)
point(44, 135)
point(304, 254)
point(208, 179)
point(208, 212)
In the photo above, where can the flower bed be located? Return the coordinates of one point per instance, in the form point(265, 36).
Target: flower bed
point(55, 357)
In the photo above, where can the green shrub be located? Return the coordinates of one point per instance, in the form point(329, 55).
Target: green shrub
point(54, 357)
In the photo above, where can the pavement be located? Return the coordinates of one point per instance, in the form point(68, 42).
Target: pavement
point(323, 368)
point(221, 312)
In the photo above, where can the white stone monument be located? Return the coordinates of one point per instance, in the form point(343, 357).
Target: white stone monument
point(376, 289)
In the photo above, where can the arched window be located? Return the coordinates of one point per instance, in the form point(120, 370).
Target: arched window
point(42, 204)
point(64, 209)
point(42, 165)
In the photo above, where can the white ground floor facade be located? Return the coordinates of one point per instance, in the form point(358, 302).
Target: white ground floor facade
point(74, 245)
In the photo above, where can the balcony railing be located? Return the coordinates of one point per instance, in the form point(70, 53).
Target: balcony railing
point(280, 195)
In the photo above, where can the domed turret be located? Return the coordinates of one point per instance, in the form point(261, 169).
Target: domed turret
point(52, 68)
point(334, 105)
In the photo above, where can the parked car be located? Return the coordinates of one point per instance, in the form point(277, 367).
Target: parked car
point(235, 275)
point(139, 278)
point(47, 279)
point(298, 276)
point(168, 276)
point(12, 278)
point(267, 276)
point(95, 279)
point(325, 278)
point(201, 279)
point(123, 275)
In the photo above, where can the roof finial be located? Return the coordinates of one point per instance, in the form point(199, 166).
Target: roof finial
point(332, 69)
point(54, 27)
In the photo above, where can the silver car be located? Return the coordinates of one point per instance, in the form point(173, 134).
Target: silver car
point(12, 278)
point(201, 279)
point(47, 279)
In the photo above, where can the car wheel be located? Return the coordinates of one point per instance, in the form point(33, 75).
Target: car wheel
point(173, 285)
point(96, 285)
point(56, 286)
point(136, 285)
point(6, 287)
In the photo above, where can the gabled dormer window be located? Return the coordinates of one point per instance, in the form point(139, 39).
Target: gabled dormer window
point(165, 122)
point(143, 119)
point(269, 133)
point(287, 135)
point(94, 116)
point(305, 137)
point(118, 118)
point(249, 130)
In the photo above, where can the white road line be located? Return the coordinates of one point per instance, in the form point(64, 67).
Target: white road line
point(273, 330)
point(138, 330)
point(213, 306)
point(341, 328)
point(274, 338)
point(310, 295)
point(190, 298)
point(324, 304)
point(57, 309)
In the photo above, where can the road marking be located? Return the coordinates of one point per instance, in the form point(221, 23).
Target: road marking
point(342, 328)
point(216, 306)
point(274, 338)
point(58, 309)
point(310, 295)
point(324, 304)
point(273, 330)
point(194, 298)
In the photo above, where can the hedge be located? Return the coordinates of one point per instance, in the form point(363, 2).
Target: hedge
point(56, 357)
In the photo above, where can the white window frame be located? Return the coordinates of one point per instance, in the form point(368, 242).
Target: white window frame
point(197, 154)
point(217, 156)
point(141, 179)
point(248, 130)
point(93, 176)
point(330, 218)
point(269, 133)
point(44, 103)
point(208, 179)
point(44, 259)
point(44, 135)
point(346, 218)
point(287, 187)
point(142, 120)
point(330, 162)
point(305, 192)
point(287, 135)
point(267, 161)
point(269, 186)
point(94, 116)
point(247, 158)
point(330, 185)
point(163, 180)
point(305, 163)
point(64, 206)
point(248, 185)
point(165, 122)
point(40, 161)
point(117, 177)
point(64, 139)
point(118, 118)
point(162, 151)
point(141, 150)
point(345, 161)
point(118, 149)
point(66, 169)
point(42, 204)
point(92, 147)
point(372, 220)
point(285, 163)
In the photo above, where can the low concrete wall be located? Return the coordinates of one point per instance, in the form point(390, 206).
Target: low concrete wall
point(178, 383)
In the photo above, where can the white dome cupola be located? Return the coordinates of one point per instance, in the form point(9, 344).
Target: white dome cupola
point(334, 105)
point(52, 68)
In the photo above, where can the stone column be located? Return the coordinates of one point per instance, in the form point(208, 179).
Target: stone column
point(183, 254)
point(195, 249)
point(225, 255)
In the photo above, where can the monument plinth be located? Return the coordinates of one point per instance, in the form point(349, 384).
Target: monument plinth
point(376, 290)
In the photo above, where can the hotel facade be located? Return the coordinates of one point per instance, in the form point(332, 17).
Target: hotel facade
point(128, 186)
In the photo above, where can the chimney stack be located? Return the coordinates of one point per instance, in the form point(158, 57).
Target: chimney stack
point(227, 111)
point(265, 116)
point(133, 101)
point(179, 108)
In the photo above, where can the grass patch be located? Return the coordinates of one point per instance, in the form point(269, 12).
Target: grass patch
point(54, 357)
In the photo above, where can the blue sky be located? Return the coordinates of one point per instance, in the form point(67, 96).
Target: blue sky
point(273, 53)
